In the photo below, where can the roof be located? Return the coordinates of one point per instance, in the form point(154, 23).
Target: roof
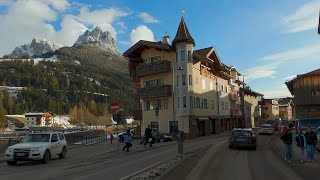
point(285, 101)
point(136, 49)
point(290, 83)
point(251, 92)
point(183, 34)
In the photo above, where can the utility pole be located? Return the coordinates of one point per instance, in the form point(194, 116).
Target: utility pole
point(243, 105)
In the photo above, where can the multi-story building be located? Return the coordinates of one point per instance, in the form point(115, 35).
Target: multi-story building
point(306, 91)
point(286, 108)
point(251, 107)
point(39, 119)
point(270, 109)
point(180, 88)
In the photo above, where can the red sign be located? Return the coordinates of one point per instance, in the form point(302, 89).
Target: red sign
point(115, 108)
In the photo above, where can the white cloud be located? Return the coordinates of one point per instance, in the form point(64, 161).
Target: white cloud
point(299, 53)
point(303, 18)
point(289, 77)
point(25, 19)
point(142, 32)
point(262, 71)
point(147, 18)
point(122, 25)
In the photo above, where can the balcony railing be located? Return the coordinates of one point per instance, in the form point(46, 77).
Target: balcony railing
point(153, 68)
point(235, 112)
point(155, 92)
point(234, 97)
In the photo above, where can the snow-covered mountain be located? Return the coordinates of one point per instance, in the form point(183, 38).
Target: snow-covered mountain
point(98, 38)
point(36, 48)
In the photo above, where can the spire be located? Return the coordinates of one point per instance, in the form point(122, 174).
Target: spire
point(183, 34)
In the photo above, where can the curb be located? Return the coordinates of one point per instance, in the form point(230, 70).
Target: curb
point(141, 171)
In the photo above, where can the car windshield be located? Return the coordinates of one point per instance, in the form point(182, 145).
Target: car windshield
point(265, 126)
point(36, 138)
point(241, 133)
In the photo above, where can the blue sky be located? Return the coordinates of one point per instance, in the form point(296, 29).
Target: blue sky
point(268, 41)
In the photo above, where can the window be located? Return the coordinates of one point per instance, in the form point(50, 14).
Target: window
point(183, 55)
point(176, 57)
point(222, 105)
point(178, 102)
point(221, 88)
point(154, 126)
point(153, 104)
point(190, 79)
point(191, 101)
point(211, 86)
point(54, 138)
point(203, 84)
point(178, 81)
point(212, 104)
point(189, 56)
point(183, 80)
point(197, 103)
point(277, 108)
point(184, 100)
point(226, 89)
point(227, 106)
point(155, 59)
point(154, 82)
point(204, 104)
point(173, 126)
point(61, 136)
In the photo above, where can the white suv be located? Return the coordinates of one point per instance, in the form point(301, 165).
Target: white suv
point(37, 146)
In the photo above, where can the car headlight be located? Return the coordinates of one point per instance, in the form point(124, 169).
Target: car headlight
point(36, 149)
point(10, 150)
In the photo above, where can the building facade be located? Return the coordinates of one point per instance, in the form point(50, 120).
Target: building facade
point(180, 88)
point(270, 109)
point(39, 119)
point(306, 91)
point(286, 108)
point(251, 106)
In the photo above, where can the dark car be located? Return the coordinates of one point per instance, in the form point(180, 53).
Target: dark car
point(242, 138)
point(163, 138)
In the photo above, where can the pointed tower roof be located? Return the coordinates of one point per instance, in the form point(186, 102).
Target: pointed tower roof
point(183, 34)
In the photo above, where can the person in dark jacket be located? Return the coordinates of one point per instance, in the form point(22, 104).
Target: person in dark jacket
point(301, 142)
point(311, 139)
point(127, 139)
point(148, 136)
point(287, 140)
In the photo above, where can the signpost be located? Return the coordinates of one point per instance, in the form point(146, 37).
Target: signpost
point(115, 108)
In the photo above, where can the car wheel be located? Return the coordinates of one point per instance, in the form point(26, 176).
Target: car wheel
point(46, 157)
point(63, 153)
point(11, 162)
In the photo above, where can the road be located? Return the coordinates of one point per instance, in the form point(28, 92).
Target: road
point(222, 163)
point(91, 163)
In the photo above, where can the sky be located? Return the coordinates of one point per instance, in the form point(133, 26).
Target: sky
point(269, 42)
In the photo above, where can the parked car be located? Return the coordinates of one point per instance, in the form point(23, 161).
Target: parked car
point(163, 138)
point(243, 137)
point(266, 129)
point(37, 146)
point(318, 144)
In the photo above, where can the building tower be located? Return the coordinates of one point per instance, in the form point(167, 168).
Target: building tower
point(183, 68)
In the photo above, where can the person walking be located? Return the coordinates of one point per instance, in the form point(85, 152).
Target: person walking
point(127, 139)
point(301, 142)
point(287, 140)
point(111, 138)
point(311, 139)
point(148, 136)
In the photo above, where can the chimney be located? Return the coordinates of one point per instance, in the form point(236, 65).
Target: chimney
point(166, 39)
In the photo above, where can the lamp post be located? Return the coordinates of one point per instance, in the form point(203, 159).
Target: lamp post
point(243, 104)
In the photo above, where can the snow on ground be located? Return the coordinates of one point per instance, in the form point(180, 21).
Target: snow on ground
point(54, 58)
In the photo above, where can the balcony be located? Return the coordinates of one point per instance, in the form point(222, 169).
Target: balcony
point(155, 92)
point(234, 97)
point(235, 112)
point(206, 72)
point(154, 68)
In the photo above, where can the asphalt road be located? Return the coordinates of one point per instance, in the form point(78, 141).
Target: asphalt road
point(91, 163)
point(222, 163)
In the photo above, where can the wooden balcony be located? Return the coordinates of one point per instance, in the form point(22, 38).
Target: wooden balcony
point(205, 72)
point(154, 68)
point(235, 112)
point(155, 92)
point(234, 97)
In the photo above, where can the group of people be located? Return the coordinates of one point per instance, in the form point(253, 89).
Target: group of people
point(305, 141)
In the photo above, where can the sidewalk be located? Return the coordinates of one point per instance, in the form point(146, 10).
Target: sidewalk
point(306, 169)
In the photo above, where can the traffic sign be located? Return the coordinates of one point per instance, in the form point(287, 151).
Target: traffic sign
point(115, 108)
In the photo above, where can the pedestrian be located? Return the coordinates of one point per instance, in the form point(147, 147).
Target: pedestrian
point(311, 139)
point(127, 139)
point(111, 137)
point(301, 142)
point(287, 140)
point(148, 136)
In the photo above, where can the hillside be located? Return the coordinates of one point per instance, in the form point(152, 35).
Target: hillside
point(84, 78)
